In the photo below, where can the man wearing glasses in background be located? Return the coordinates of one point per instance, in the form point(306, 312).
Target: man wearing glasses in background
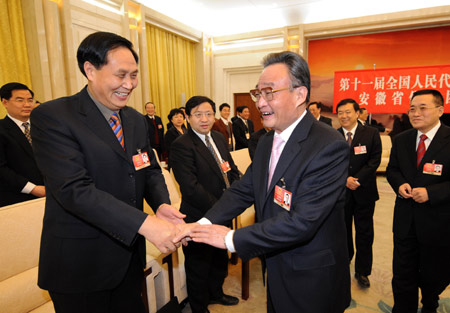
point(20, 178)
point(302, 241)
point(418, 172)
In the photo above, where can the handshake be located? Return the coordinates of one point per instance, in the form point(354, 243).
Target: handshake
point(167, 230)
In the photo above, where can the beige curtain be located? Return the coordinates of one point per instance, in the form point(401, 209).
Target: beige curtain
point(171, 69)
point(14, 64)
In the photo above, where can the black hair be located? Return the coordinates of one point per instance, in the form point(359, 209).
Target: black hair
point(317, 104)
point(241, 108)
point(7, 89)
point(349, 100)
point(437, 96)
point(196, 101)
point(224, 105)
point(95, 47)
point(174, 112)
point(298, 68)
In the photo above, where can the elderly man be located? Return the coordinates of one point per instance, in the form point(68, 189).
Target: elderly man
point(96, 156)
point(418, 172)
point(301, 236)
point(155, 129)
point(20, 178)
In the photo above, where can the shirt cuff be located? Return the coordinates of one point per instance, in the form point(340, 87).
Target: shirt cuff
point(229, 241)
point(28, 188)
point(204, 221)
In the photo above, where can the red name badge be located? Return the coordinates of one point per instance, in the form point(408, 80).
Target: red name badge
point(433, 169)
point(225, 166)
point(282, 197)
point(159, 126)
point(360, 150)
point(141, 161)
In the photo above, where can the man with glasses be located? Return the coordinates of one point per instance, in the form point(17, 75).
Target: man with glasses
point(418, 172)
point(203, 167)
point(20, 178)
point(302, 241)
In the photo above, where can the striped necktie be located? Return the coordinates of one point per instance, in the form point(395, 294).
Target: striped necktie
point(349, 138)
point(26, 126)
point(114, 122)
point(216, 158)
point(421, 149)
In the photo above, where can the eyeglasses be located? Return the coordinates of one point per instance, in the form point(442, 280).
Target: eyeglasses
point(420, 109)
point(200, 114)
point(23, 101)
point(266, 93)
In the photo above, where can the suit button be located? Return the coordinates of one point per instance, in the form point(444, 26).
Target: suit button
point(131, 175)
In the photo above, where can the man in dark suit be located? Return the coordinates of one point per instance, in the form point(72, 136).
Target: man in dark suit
point(203, 175)
point(242, 127)
point(362, 192)
point(20, 178)
point(316, 108)
point(96, 157)
point(418, 172)
point(301, 236)
point(155, 129)
point(254, 139)
point(224, 126)
point(366, 119)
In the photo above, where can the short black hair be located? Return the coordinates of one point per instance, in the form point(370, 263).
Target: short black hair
point(241, 108)
point(95, 47)
point(437, 96)
point(174, 112)
point(297, 66)
point(7, 89)
point(361, 110)
point(348, 100)
point(317, 104)
point(224, 105)
point(196, 101)
point(145, 106)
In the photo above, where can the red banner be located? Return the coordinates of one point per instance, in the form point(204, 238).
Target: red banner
point(389, 90)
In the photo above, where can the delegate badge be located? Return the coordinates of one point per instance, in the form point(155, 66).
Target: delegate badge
point(433, 169)
point(225, 166)
point(141, 160)
point(282, 197)
point(360, 150)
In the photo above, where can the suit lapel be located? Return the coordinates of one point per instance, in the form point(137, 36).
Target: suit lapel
point(19, 137)
point(95, 120)
point(128, 132)
point(205, 153)
point(439, 141)
point(359, 133)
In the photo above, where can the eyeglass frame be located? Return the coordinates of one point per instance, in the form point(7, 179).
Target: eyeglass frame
point(272, 91)
point(199, 115)
point(422, 109)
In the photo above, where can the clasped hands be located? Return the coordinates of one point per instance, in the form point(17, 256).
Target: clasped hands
point(167, 230)
point(418, 194)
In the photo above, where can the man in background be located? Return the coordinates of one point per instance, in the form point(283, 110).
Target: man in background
point(365, 157)
point(366, 119)
point(254, 139)
point(155, 129)
point(20, 178)
point(203, 168)
point(242, 127)
point(418, 172)
point(95, 155)
point(224, 126)
point(316, 108)
point(301, 237)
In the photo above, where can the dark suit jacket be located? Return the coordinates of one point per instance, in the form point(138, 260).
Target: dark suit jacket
point(239, 131)
point(170, 136)
point(432, 218)
point(364, 166)
point(94, 204)
point(17, 164)
point(220, 126)
point(159, 130)
point(200, 179)
point(253, 142)
point(305, 249)
point(326, 120)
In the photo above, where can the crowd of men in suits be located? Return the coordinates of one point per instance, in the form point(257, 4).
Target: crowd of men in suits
point(95, 155)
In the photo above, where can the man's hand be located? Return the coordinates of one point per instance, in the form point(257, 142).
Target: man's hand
point(170, 214)
point(352, 183)
point(405, 191)
point(420, 195)
point(159, 232)
point(38, 191)
point(213, 235)
point(184, 232)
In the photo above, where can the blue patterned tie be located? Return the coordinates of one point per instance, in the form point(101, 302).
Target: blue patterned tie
point(114, 122)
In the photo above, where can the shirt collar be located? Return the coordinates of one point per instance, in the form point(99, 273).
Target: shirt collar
point(201, 136)
point(286, 134)
point(431, 133)
point(224, 120)
point(18, 122)
point(103, 109)
point(353, 130)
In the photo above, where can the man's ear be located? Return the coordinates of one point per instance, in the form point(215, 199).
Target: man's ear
point(89, 69)
point(302, 93)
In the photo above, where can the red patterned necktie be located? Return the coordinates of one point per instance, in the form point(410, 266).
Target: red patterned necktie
point(421, 149)
point(114, 122)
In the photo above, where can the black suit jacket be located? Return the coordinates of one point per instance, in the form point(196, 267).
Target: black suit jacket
point(253, 142)
point(240, 131)
point(199, 176)
point(325, 120)
point(17, 164)
point(305, 249)
point(432, 218)
point(94, 204)
point(159, 130)
point(364, 166)
point(170, 136)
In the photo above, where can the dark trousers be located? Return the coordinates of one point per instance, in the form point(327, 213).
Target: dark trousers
point(206, 268)
point(126, 297)
point(363, 217)
point(418, 265)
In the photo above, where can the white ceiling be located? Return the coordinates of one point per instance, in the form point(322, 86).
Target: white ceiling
point(225, 17)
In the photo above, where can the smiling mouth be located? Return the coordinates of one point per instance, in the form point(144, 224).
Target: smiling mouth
point(121, 94)
point(263, 114)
